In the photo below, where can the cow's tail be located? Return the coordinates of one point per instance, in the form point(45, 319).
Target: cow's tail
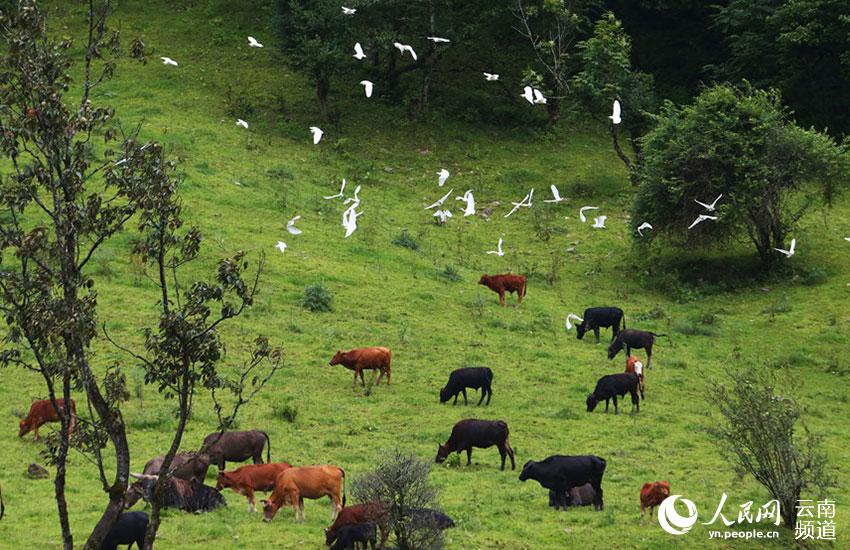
point(2, 506)
point(268, 448)
point(524, 287)
point(343, 487)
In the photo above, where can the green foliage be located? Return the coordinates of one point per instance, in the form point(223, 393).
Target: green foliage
point(286, 411)
point(316, 298)
point(406, 240)
point(450, 273)
point(237, 104)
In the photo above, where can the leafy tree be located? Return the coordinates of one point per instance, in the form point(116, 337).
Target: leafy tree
point(740, 143)
point(757, 432)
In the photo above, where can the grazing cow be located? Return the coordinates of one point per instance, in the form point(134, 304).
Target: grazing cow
point(470, 433)
point(469, 377)
point(370, 512)
point(236, 447)
point(595, 318)
point(561, 473)
point(188, 465)
point(578, 496)
point(353, 535)
point(610, 386)
point(631, 338)
point(360, 359)
point(505, 283)
point(247, 479)
point(431, 517)
point(129, 529)
point(41, 412)
point(189, 496)
point(293, 485)
point(636, 367)
point(652, 495)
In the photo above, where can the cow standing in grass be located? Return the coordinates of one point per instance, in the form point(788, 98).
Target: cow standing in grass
point(370, 512)
point(636, 367)
point(360, 359)
point(254, 477)
point(631, 338)
point(612, 385)
point(293, 485)
point(470, 433)
point(43, 411)
point(237, 447)
point(500, 284)
point(129, 529)
point(469, 377)
point(652, 495)
point(595, 318)
point(560, 474)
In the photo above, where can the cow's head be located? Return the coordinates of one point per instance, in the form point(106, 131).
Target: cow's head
point(24, 427)
point(581, 328)
point(615, 348)
point(526, 470)
point(442, 453)
point(591, 402)
point(223, 481)
point(330, 536)
point(444, 395)
point(139, 489)
point(337, 358)
point(269, 510)
point(662, 488)
point(485, 279)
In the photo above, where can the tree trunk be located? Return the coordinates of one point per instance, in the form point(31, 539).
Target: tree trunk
point(323, 87)
point(62, 459)
point(612, 128)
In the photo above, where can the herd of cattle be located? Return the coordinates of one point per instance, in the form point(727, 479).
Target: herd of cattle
point(570, 480)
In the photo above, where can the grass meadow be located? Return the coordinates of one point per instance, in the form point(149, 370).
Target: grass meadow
point(240, 188)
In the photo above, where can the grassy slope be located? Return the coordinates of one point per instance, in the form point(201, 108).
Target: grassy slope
point(388, 295)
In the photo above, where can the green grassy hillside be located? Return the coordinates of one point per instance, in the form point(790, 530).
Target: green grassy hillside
point(718, 314)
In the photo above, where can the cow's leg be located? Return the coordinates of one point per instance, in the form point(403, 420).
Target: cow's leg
point(564, 497)
point(504, 454)
point(35, 432)
point(606, 405)
point(502, 298)
point(483, 393)
point(616, 410)
point(649, 356)
point(465, 401)
point(380, 375)
point(596, 333)
point(301, 508)
point(389, 371)
point(635, 400)
point(642, 512)
point(455, 401)
point(469, 456)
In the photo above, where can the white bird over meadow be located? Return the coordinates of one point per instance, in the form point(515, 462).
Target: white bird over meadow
point(538, 97)
point(709, 207)
point(367, 87)
point(526, 202)
point(573, 316)
point(581, 210)
point(405, 48)
point(437, 39)
point(317, 134)
point(349, 220)
point(528, 94)
point(290, 226)
point(599, 223)
point(358, 51)
point(168, 61)
point(700, 219)
point(443, 215)
point(498, 251)
point(253, 42)
point(348, 11)
point(338, 195)
point(470, 203)
point(242, 123)
point(556, 194)
point(790, 252)
point(847, 239)
point(281, 246)
point(444, 175)
point(491, 77)
point(641, 227)
point(615, 114)
point(355, 199)
point(440, 201)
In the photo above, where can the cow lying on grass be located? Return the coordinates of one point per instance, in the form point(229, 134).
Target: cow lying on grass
point(470, 433)
point(610, 386)
point(560, 474)
point(189, 466)
point(189, 496)
point(505, 283)
point(469, 377)
point(578, 496)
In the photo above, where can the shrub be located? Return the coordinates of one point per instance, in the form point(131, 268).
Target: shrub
point(236, 104)
point(316, 298)
point(451, 274)
point(286, 411)
point(406, 240)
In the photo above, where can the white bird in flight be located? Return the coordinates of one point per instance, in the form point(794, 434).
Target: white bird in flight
point(437, 39)
point(491, 77)
point(355, 199)
point(444, 175)
point(168, 61)
point(290, 226)
point(528, 94)
point(700, 219)
point(526, 202)
point(358, 51)
point(581, 210)
point(349, 220)
point(441, 201)
point(348, 11)
point(498, 251)
point(470, 203)
point(443, 215)
point(281, 246)
point(599, 223)
point(367, 87)
point(556, 194)
point(538, 97)
point(405, 48)
point(317, 134)
point(641, 227)
point(709, 207)
point(573, 316)
point(253, 42)
point(847, 239)
point(790, 252)
point(338, 195)
point(242, 123)
point(615, 115)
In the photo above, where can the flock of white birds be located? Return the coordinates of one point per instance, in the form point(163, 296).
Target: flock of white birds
point(442, 212)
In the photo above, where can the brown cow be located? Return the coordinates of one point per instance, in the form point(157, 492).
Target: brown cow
point(293, 485)
point(651, 495)
point(360, 359)
point(254, 477)
point(371, 512)
point(636, 367)
point(41, 412)
point(505, 283)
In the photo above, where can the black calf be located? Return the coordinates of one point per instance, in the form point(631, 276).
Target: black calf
point(129, 529)
point(352, 536)
point(612, 385)
point(631, 338)
point(470, 377)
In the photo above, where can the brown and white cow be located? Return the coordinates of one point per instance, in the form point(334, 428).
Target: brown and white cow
point(360, 359)
point(293, 485)
point(254, 477)
point(505, 283)
point(652, 495)
point(41, 412)
point(636, 367)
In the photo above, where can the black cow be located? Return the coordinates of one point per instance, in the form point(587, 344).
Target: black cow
point(595, 318)
point(631, 338)
point(129, 529)
point(351, 536)
point(429, 516)
point(236, 447)
point(470, 433)
point(561, 473)
point(578, 496)
point(188, 465)
point(610, 386)
point(189, 496)
point(469, 377)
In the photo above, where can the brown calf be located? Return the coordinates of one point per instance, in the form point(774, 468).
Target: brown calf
point(254, 477)
point(371, 512)
point(41, 412)
point(360, 359)
point(651, 495)
point(293, 485)
point(505, 283)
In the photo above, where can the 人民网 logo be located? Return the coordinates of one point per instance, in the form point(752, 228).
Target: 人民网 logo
point(673, 522)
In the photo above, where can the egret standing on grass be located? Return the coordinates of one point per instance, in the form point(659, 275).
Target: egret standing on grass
point(599, 223)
